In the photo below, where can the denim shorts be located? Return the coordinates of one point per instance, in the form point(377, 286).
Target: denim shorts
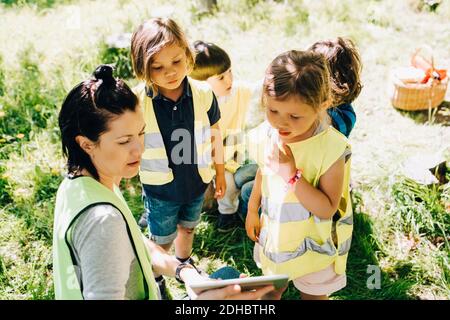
point(245, 173)
point(164, 216)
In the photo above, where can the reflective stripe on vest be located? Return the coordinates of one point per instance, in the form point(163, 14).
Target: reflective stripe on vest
point(327, 248)
point(344, 247)
point(290, 211)
point(348, 220)
point(308, 244)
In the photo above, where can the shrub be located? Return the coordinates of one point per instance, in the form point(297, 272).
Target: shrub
point(420, 209)
point(39, 4)
point(5, 196)
point(116, 51)
point(2, 79)
point(28, 104)
point(45, 185)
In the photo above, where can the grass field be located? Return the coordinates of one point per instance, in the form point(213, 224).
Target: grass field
point(401, 227)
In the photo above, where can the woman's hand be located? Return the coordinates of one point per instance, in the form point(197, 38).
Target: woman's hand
point(281, 161)
point(220, 186)
point(191, 276)
point(233, 292)
point(253, 225)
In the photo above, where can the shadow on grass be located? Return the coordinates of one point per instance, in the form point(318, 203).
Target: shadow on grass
point(132, 192)
point(363, 265)
point(234, 247)
point(439, 115)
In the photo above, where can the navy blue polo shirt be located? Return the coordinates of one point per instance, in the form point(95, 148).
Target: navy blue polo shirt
point(187, 183)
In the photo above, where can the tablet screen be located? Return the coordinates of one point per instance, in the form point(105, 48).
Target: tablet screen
point(248, 283)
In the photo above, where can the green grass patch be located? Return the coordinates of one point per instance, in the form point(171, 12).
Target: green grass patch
point(420, 210)
point(119, 58)
point(38, 4)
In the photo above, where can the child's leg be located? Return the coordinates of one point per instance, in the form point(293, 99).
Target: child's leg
point(246, 191)
point(188, 218)
point(162, 221)
point(230, 202)
point(245, 173)
point(183, 242)
point(228, 205)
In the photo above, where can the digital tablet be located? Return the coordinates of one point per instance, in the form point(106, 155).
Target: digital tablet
point(248, 283)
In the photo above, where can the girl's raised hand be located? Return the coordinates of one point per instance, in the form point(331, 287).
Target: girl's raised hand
point(280, 160)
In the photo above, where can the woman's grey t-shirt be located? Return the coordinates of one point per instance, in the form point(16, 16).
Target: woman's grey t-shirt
point(107, 264)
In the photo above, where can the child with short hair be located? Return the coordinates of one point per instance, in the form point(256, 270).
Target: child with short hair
point(302, 184)
point(181, 136)
point(213, 65)
point(345, 66)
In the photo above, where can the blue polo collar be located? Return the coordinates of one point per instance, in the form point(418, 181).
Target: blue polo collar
point(187, 92)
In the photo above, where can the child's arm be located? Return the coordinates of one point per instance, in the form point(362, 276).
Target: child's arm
point(217, 156)
point(252, 222)
point(322, 201)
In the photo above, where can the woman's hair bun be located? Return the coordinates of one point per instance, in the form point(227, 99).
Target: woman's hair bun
point(104, 72)
point(200, 45)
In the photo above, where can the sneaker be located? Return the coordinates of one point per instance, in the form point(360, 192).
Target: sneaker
point(226, 222)
point(143, 221)
point(165, 294)
point(225, 273)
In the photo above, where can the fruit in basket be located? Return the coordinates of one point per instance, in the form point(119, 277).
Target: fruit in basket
point(409, 74)
point(420, 62)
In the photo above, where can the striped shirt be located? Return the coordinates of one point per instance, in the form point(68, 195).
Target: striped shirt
point(343, 118)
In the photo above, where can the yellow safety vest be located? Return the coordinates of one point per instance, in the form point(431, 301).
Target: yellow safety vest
point(72, 199)
point(155, 168)
point(293, 240)
point(232, 125)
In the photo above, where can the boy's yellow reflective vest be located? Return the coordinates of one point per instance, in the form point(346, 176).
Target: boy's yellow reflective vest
point(295, 242)
point(73, 198)
point(155, 168)
point(232, 124)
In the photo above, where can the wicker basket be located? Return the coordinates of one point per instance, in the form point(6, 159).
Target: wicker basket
point(418, 96)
